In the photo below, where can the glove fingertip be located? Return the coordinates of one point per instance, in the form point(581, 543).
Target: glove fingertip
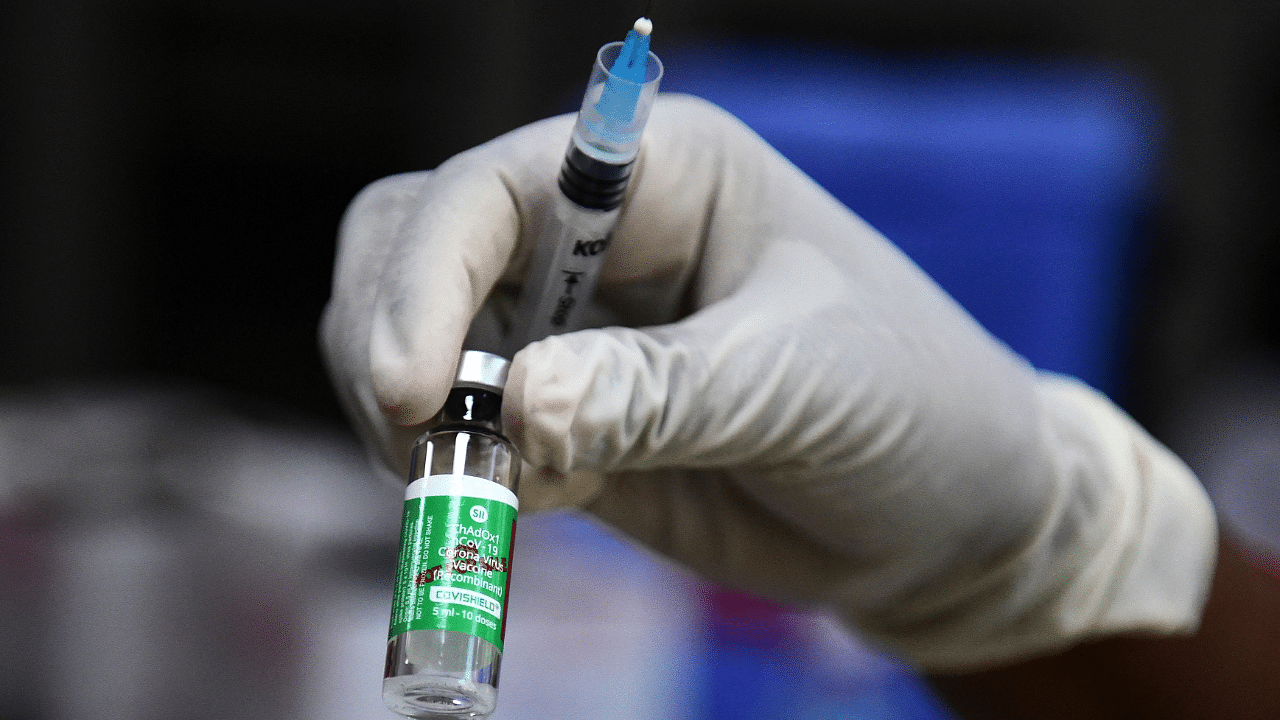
point(409, 387)
point(534, 423)
point(581, 401)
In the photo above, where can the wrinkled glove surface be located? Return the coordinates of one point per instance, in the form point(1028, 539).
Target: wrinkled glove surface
point(786, 404)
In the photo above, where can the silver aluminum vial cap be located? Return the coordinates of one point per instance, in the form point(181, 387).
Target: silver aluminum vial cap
point(482, 370)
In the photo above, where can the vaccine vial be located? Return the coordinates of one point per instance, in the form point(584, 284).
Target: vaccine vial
point(449, 611)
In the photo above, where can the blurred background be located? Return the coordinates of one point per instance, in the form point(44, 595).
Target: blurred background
point(188, 527)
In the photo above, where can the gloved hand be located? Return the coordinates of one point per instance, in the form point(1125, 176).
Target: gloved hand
point(801, 412)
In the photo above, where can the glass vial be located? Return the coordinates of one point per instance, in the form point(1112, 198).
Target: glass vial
point(448, 615)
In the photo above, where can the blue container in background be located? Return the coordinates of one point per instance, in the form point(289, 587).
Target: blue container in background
point(1019, 186)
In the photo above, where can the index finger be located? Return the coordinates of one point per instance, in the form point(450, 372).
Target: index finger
point(471, 216)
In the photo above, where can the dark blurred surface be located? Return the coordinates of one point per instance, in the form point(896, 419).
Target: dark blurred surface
point(174, 171)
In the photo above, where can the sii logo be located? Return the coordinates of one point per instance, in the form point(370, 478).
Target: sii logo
point(479, 513)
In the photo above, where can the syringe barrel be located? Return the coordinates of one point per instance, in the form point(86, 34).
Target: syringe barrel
point(567, 262)
point(563, 273)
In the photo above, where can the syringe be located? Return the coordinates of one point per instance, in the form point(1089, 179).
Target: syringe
point(565, 266)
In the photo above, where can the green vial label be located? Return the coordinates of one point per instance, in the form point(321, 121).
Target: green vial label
point(455, 557)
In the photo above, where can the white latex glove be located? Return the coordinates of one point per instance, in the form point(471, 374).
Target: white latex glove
point(818, 422)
